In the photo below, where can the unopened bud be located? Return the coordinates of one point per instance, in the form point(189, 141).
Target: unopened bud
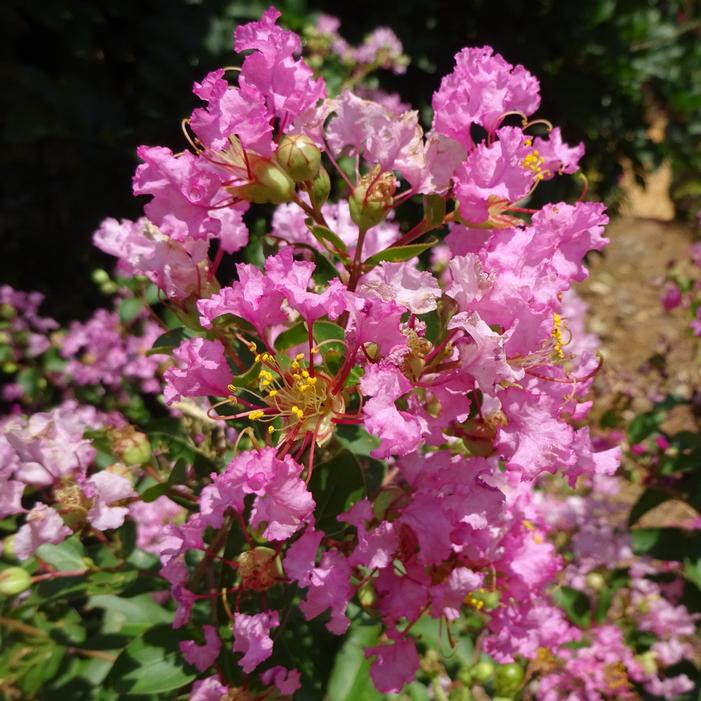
point(299, 157)
point(648, 662)
point(100, 276)
point(483, 671)
point(372, 199)
point(14, 580)
point(595, 581)
point(320, 189)
point(7, 312)
point(367, 597)
point(269, 183)
point(508, 678)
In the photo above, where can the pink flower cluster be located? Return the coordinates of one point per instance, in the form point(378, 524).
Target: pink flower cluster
point(450, 382)
point(605, 664)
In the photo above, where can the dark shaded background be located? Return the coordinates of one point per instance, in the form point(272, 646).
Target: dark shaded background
point(86, 81)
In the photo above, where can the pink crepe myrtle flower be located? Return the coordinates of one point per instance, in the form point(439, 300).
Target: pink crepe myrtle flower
point(105, 488)
point(399, 431)
point(42, 525)
point(557, 156)
point(417, 290)
point(209, 689)
point(252, 637)
point(300, 559)
point(202, 656)
point(282, 501)
point(203, 371)
point(481, 88)
point(494, 175)
point(286, 680)
point(329, 588)
point(395, 665)
point(286, 84)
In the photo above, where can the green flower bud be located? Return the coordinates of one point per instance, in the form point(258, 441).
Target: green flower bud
point(14, 580)
point(7, 312)
point(9, 367)
point(320, 189)
point(299, 157)
point(508, 678)
point(595, 581)
point(648, 662)
point(372, 199)
point(8, 547)
point(270, 184)
point(465, 676)
point(367, 597)
point(100, 276)
point(483, 671)
point(460, 693)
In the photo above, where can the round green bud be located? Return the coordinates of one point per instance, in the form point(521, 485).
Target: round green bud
point(14, 580)
point(320, 189)
point(270, 183)
point(8, 547)
point(7, 312)
point(9, 367)
point(464, 675)
point(508, 678)
point(483, 671)
point(299, 157)
point(100, 276)
point(460, 693)
point(367, 597)
point(595, 581)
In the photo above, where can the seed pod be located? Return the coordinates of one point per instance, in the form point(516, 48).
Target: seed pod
point(14, 580)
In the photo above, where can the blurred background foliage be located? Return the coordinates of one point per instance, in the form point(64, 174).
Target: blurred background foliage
point(86, 81)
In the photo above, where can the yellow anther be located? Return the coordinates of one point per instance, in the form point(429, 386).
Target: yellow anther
point(296, 376)
point(305, 374)
point(258, 357)
point(299, 356)
point(256, 414)
point(556, 335)
point(267, 357)
point(231, 388)
point(315, 349)
point(312, 380)
point(527, 524)
point(297, 412)
point(303, 388)
point(294, 365)
point(272, 393)
point(271, 429)
point(252, 347)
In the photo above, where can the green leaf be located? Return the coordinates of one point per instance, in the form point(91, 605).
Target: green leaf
point(151, 664)
point(65, 556)
point(129, 309)
point(294, 336)
point(325, 237)
point(169, 340)
point(647, 501)
point(396, 254)
point(644, 425)
point(130, 615)
point(336, 485)
point(575, 604)
point(667, 543)
point(350, 677)
point(356, 439)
